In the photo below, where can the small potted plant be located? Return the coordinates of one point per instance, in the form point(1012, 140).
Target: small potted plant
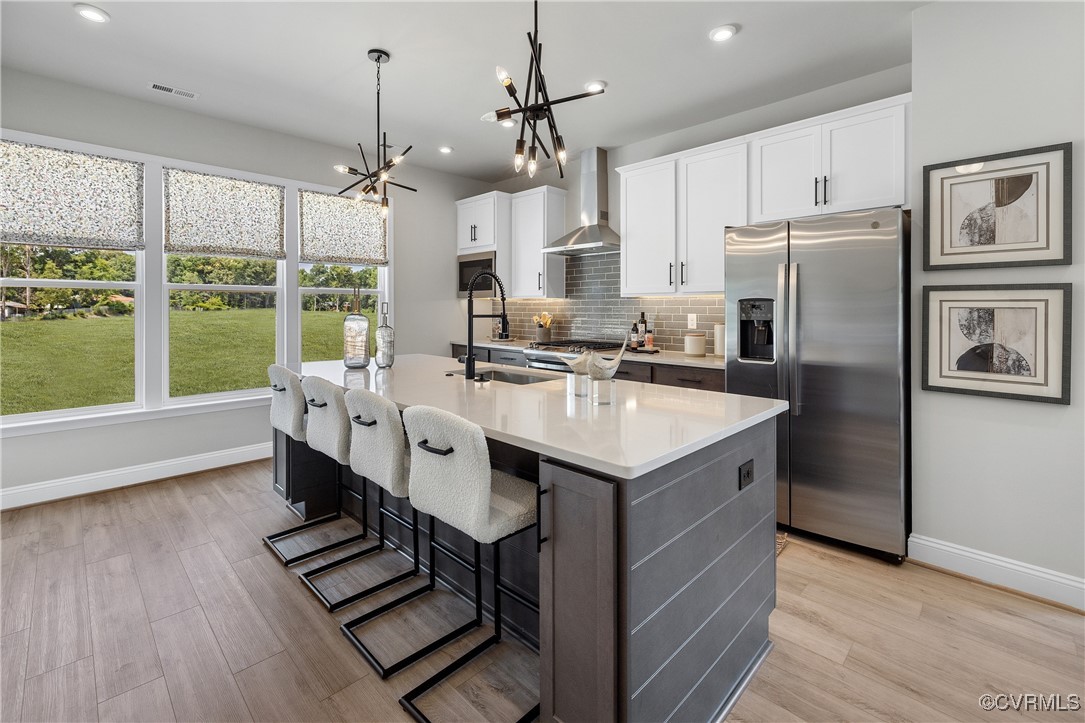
point(542, 326)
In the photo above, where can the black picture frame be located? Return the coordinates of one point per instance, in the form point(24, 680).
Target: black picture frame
point(1058, 219)
point(1056, 336)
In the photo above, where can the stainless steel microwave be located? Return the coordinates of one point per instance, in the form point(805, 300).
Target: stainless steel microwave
point(470, 264)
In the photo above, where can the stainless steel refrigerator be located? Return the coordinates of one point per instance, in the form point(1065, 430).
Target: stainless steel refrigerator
point(816, 314)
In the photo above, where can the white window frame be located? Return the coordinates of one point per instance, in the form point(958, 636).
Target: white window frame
point(152, 293)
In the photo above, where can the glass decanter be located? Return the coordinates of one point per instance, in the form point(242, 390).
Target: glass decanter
point(386, 337)
point(356, 336)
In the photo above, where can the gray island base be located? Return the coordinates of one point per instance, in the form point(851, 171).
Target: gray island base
point(657, 574)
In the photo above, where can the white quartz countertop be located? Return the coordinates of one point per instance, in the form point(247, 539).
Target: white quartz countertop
point(670, 358)
point(647, 427)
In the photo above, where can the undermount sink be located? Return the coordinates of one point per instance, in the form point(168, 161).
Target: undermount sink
point(509, 377)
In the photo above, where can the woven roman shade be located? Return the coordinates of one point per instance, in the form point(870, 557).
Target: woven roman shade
point(220, 216)
point(341, 230)
point(50, 197)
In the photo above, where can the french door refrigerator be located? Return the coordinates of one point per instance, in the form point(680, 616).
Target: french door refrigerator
point(816, 315)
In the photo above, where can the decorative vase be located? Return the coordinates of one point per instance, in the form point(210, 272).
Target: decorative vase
point(542, 333)
point(356, 336)
point(386, 337)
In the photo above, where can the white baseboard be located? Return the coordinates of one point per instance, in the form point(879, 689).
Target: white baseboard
point(1038, 581)
point(37, 492)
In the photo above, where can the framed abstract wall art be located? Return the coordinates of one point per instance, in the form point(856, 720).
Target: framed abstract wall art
point(1007, 209)
point(1002, 340)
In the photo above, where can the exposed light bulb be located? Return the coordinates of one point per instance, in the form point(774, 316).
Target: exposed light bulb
point(384, 207)
point(503, 76)
point(559, 148)
point(341, 168)
point(532, 161)
point(396, 160)
point(594, 86)
point(383, 176)
point(518, 159)
point(490, 117)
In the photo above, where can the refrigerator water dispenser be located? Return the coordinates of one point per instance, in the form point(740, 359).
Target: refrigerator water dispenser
point(756, 341)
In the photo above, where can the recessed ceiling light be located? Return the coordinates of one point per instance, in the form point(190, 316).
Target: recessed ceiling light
point(968, 168)
point(593, 86)
point(446, 149)
point(508, 123)
point(91, 13)
point(723, 32)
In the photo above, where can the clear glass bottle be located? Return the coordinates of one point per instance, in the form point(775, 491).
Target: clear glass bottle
point(356, 336)
point(386, 337)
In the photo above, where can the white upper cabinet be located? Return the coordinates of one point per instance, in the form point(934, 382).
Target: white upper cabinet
point(649, 211)
point(674, 213)
point(711, 196)
point(538, 217)
point(842, 162)
point(482, 222)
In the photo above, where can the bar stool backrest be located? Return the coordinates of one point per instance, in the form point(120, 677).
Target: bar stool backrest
point(287, 402)
point(377, 444)
point(328, 430)
point(450, 469)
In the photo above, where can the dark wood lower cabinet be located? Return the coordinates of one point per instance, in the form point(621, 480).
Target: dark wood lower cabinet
point(481, 355)
point(577, 596)
point(712, 380)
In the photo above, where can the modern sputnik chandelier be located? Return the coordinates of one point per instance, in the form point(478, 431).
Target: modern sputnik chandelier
point(539, 107)
point(378, 179)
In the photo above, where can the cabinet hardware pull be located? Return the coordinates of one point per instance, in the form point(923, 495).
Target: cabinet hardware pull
point(358, 420)
point(540, 281)
point(682, 273)
point(825, 192)
point(277, 389)
point(670, 275)
point(434, 450)
point(315, 403)
point(538, 520)
point(816, 190)
point(622, 371)
point(691, 381)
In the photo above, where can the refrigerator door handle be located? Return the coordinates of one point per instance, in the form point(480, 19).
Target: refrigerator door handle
point(793, 340)
point(782, 351)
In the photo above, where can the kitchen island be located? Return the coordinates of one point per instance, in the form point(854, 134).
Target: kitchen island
point(657, 575)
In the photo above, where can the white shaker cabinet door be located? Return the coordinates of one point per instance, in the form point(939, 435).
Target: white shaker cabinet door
point(863, 161)
point(648, 230)
point(465, 228)
point(528, 229)
point(711, 196)
point(785, 175)
point(484, 217)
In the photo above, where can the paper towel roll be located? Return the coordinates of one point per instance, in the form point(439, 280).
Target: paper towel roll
point(718, 339)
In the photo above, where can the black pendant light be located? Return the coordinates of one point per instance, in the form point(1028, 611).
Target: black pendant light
point(381, 175)
point(539, 107)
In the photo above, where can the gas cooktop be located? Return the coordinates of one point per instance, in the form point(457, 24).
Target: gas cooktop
point(574, 345)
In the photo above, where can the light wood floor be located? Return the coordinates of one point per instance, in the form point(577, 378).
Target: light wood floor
point(159, 603)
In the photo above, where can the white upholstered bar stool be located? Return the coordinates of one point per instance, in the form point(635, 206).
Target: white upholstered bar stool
point(287, 402)
point(451, 480)
point(378, 453)
point(328, 432)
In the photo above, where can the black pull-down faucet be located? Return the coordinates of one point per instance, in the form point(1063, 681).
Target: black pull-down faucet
point(469, 358)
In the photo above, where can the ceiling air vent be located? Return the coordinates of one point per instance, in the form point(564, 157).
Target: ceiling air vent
point(173, 91)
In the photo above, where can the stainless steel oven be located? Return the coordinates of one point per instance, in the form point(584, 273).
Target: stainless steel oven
point(467, 265)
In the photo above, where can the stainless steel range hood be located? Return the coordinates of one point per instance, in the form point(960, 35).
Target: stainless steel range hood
point(595, 235)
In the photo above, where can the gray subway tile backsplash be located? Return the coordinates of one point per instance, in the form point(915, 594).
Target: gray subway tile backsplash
point(593, 307)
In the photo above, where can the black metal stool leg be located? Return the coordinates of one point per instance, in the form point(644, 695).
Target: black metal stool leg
point(408, 700)
point(272, 540)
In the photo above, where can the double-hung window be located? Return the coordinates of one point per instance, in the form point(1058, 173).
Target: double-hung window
point(223, 241)
point(343, 241)
point(71, 241)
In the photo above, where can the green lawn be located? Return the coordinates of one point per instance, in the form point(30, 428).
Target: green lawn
point(70, 363)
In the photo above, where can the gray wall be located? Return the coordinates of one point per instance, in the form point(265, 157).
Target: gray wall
point(1001, 476)
point(425, 249)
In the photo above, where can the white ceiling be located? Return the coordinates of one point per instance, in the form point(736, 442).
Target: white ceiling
point(301, 67)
